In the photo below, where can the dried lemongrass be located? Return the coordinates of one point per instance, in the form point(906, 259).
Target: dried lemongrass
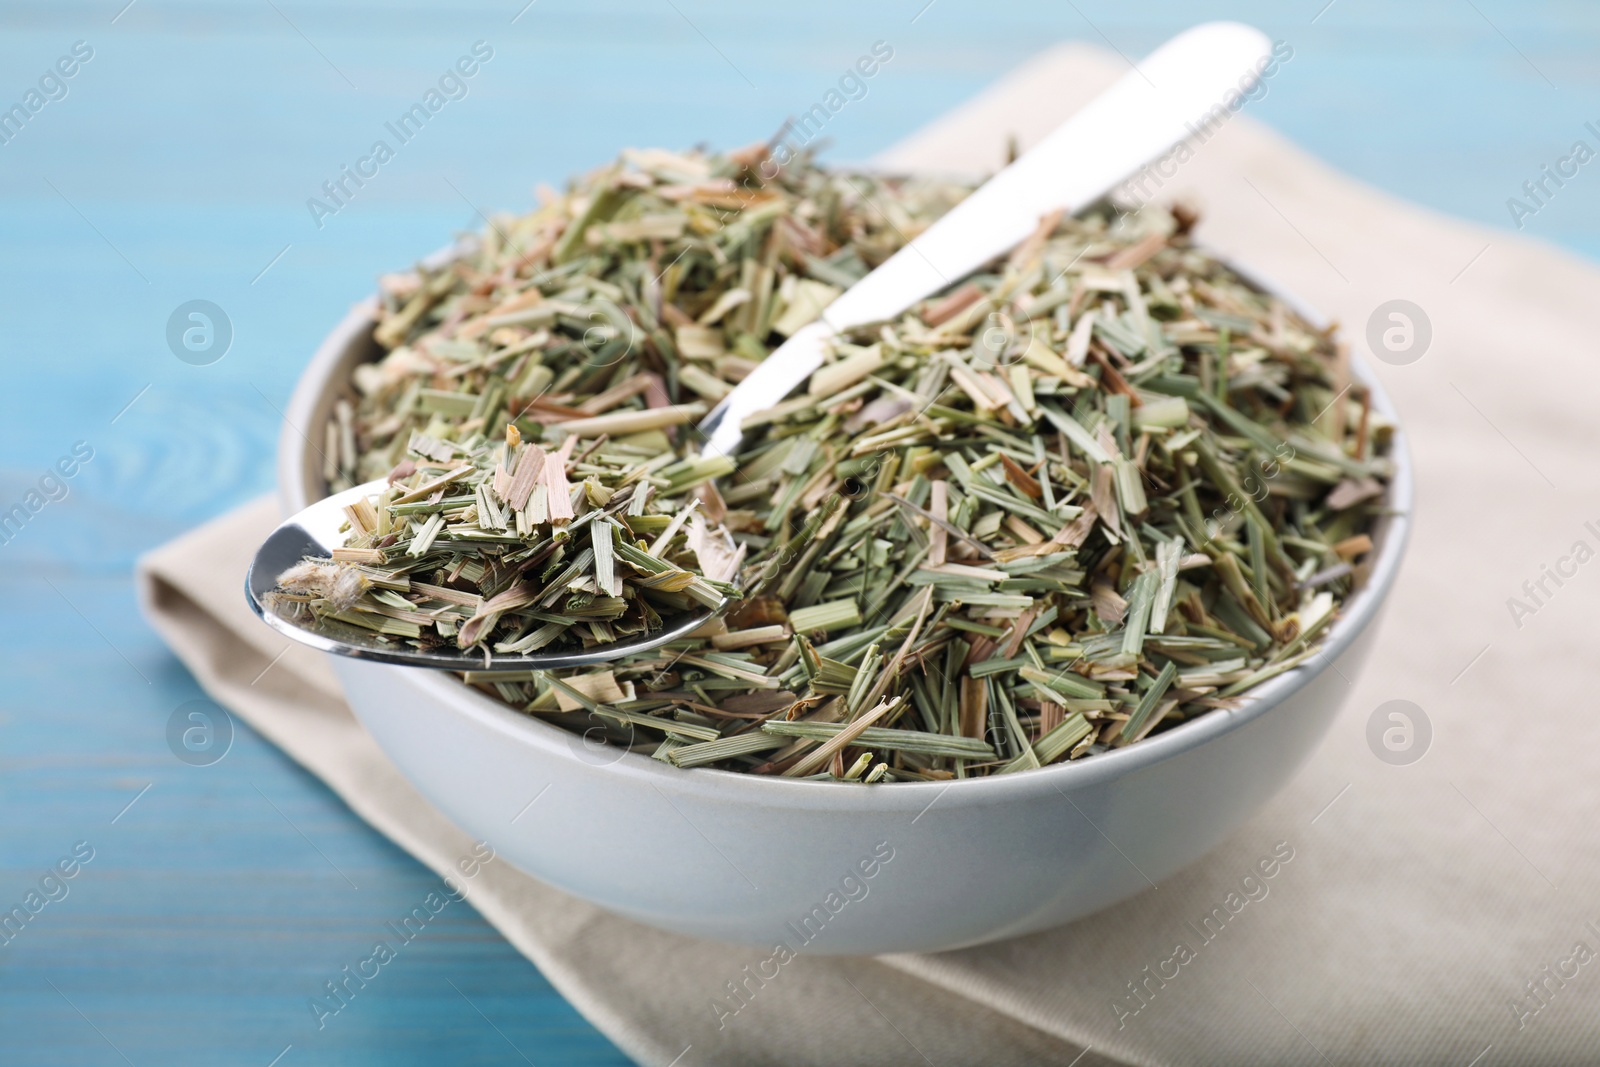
point(625, 305)
point(1100, 488)
point(514, 564)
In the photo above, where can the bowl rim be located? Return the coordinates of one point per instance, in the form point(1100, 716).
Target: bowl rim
point(1357, 613)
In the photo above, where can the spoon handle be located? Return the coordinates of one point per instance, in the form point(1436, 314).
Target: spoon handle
point(1176, 91)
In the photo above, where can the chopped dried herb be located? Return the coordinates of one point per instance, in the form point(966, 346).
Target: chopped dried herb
point(627, 304)
point(507, 546)
point(1101, 488)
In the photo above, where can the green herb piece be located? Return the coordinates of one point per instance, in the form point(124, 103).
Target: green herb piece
point(1132, 730)
point(835, 615)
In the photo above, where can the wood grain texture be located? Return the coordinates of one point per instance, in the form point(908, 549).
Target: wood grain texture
point(178, 166)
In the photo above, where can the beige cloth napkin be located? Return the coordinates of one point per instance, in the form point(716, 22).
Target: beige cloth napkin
point(1443, 912)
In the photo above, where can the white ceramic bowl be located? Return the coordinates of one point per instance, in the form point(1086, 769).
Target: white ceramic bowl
point(823, 867)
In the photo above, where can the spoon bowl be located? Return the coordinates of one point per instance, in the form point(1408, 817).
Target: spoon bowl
point(315, 532)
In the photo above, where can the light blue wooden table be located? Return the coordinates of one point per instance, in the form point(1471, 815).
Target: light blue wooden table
point(177, 166)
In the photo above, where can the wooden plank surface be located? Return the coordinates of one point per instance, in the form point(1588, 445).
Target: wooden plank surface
point(177, 166)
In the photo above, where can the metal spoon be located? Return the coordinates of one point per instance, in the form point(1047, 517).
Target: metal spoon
point(1175, 90)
